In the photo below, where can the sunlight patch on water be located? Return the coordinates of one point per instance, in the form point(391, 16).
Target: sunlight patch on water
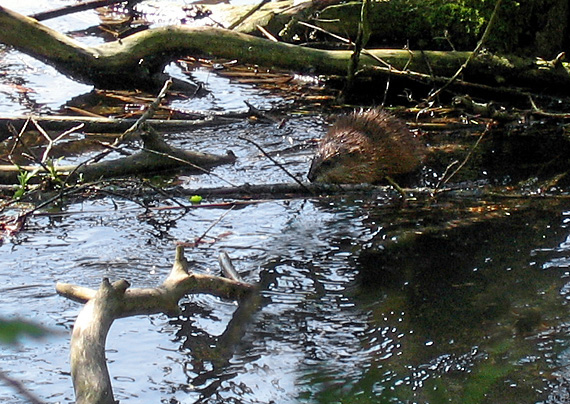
point(38, 89)
point(224, 95)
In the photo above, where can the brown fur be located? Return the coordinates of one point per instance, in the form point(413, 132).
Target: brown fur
point(365, 147)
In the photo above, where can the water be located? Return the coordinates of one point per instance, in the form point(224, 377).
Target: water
point(103, 246)
point(316, 335)
point(439, 318)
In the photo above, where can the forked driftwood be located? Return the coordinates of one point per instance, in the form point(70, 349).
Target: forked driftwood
point(111, 301)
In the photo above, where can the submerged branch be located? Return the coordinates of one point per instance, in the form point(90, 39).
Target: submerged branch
point(74, 8)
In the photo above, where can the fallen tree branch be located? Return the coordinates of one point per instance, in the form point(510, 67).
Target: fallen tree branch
point(136, 61)
point(286, 190)
point(112, 125)
point(156, 156)
point(74, 8)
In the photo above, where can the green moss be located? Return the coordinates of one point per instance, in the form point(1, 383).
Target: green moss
point(442, 24)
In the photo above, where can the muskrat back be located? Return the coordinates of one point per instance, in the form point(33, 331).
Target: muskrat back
point(366, 146)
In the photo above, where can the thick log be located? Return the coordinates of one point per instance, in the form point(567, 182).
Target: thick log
point(137, 59)
point(545, 24)
point(89, 370)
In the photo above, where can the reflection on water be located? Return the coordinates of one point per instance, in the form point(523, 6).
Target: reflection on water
point(22, 94)
point(408, 324)
point(223, 96)
point(27, 85)
point(315, 334)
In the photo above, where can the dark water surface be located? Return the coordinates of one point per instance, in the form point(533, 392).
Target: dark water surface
point(473, 315)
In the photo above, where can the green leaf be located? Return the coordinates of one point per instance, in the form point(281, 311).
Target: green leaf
point(12, 330)
point(195, 199)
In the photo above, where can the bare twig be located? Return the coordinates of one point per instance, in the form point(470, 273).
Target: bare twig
point(197, 167)
point(388, 79)
point(464, 85)
point(277, 163)
point(472, 55)
point(161, 192)
point(248, 14)
point(535, 110)
point(17, 136)
point(19, 387)
point(446, 180)
point(267, 34)
point(444, 175)
point(152, 108)
point(218, 220)
point(349, 42)
point(52, 142)
point(317, 28)
point(18, 141)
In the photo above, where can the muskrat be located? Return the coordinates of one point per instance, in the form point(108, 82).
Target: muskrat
point(366, 146)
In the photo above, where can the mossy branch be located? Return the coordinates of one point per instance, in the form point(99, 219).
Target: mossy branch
point(136, 60)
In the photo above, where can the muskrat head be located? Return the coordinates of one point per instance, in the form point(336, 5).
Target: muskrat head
point(341, 160)
point(365, 147)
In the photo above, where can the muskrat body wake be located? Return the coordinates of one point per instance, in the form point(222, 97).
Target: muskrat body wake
point(366, 147)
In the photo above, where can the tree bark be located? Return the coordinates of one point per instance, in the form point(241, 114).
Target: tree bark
point(89, 372)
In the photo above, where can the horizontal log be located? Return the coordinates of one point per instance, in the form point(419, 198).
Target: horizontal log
point(156, 156)
point(106, 125)
point(136, 60)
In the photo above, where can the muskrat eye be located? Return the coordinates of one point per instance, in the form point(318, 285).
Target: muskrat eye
point(325, 164)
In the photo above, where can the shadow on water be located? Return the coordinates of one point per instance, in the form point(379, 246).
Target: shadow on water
point(463, 307)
